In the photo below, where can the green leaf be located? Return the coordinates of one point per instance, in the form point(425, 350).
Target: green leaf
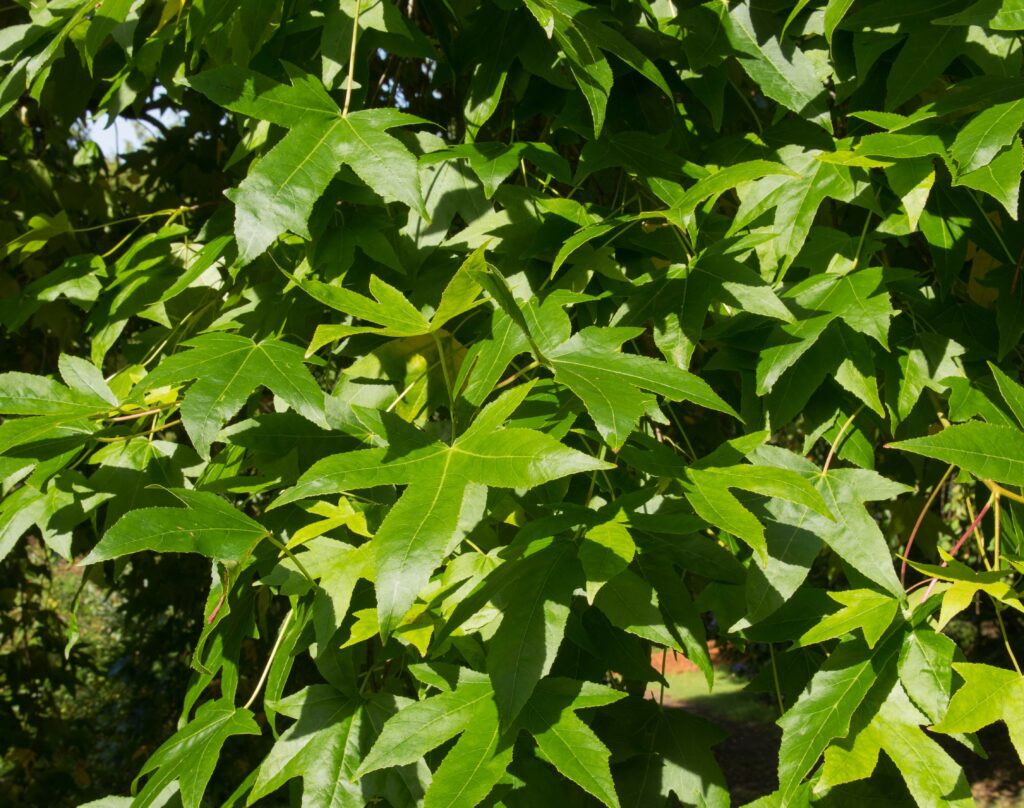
point(227, 368)
point(825, 708)
point(389, 308)
point(26, 394)
point(715, 504)
point(86, 378)
point(912, 180)
point(854, 535)
point(426, 724)
point(611, 384)
point(1000, 179)
point(416, 533)
point(189, 756)
point(964, 585)
point(322, 747)
point(834, 13)
point(38, 429)
point(932, 777)
point(253, 94)
point(523, 649)
point(987, 695)
point(206, 525)
point(1011, 391)
point(605, 551)
point(278, 193)
point(582, 33)
point(862, 608)
point(988, 451)
point(987, 134)
point(630, 603)
point(926, 670)
point(475, 764)
point(18, 512)
point(788, 78)
point(718, 182)
point(682, 762)
point(923, 57)
point(999, 15)
point(566, 742)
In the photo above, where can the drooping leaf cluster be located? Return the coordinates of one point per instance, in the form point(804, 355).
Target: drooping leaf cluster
point(488, 352)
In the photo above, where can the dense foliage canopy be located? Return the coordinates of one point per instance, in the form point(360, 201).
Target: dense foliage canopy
point(474, 355)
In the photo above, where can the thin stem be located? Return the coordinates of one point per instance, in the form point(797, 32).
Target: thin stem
point(775, 678)
point(593, 484)
point(270, 660)
point(992, 227)
point(860, 242)
point(839, 437)
point(920, 519)
point(410, 386)
point(979, 536)
point(284, 548)
point(1006, 639)
point(507, 381)
point(119, 244)
point(136, 415)
point(153, 431)
point(960, 542)
point(750, 108)
point(996, 538)
point(447, 382)
point(679, 425)
point(352, 60)
point(997, 489)
point(141, 217)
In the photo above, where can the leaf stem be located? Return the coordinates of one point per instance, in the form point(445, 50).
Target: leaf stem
point(447, 381)
point(136, 415)
point(992, 227)
point(775, 679)
point(153, 431)
point(284, 548)
point(679, 426)
point(352, 59)
point(978, 535)
point(996, 529)
point(1006, 640)
point(860, 241)
point(998, 490)
point(270, 660)
point(920, 519)
point(960, 542)
point(839, 437)
point(750, 108)
point(410, 386)
point(507, 381)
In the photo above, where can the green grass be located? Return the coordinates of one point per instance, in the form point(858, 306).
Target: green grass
point(728, 698)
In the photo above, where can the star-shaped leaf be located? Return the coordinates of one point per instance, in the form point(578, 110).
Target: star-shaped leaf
point(322, 747)
point(190, 755)
point(415, 535)
point(616, 388)
point(227, 368)
point(988, 694)
point(279, 191)
point(207, 525)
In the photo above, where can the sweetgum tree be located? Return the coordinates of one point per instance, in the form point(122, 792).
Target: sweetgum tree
point(482, 353)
